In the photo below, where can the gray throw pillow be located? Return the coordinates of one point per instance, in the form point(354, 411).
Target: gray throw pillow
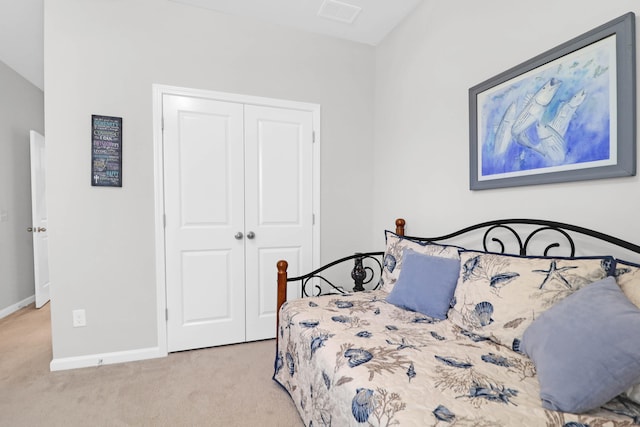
point(586, 348)
point(426, 284)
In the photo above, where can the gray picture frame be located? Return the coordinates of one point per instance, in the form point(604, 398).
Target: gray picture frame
point(622, 137)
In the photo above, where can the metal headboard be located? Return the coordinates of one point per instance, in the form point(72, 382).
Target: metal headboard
point(368, 266)
point(542, 225)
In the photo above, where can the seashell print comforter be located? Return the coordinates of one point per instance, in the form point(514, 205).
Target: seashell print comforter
point(355, 360)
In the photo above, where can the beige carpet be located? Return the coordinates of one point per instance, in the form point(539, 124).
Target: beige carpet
point(222, 386)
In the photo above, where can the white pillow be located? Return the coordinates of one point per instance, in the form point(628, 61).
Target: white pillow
point(498, 296)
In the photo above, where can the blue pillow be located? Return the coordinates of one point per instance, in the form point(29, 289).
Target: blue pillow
point(586, 348)
point(426, 284)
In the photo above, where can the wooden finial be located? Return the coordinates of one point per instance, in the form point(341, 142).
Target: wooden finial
point(282, 291)
point(400, 226)
point(282, 266)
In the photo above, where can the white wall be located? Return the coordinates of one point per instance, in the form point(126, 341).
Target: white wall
point(424, 70)
point(102, 57)
point(409, 96)
point(21, 110)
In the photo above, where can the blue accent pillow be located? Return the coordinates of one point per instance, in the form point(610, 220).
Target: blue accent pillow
point(426, 284)
point(585, 348)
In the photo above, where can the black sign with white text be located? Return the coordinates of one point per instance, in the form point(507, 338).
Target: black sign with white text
point(106, 151)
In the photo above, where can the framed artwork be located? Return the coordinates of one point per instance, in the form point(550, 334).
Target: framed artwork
point(565, 115)
point(106, 151)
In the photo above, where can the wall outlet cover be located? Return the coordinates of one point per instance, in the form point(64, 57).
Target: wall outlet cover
point(79, 318)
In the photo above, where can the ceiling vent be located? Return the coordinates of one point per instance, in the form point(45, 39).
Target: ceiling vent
point(339, 11)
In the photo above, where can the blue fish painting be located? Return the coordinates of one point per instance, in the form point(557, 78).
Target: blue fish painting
point(364, 334)
point(556, 117)
point(362, 405)
point(341, 319)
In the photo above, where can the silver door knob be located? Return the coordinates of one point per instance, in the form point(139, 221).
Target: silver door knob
point(30, 229)
point(251, 235)
point(238, 235)
point(41, 229)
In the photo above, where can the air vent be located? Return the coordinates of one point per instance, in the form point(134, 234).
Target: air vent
point(339, 11)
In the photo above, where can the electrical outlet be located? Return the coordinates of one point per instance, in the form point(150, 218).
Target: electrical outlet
point(79, 318)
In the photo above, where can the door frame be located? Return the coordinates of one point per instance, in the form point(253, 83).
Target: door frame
point(158, 93)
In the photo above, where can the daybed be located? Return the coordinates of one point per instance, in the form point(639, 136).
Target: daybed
point(453, 336)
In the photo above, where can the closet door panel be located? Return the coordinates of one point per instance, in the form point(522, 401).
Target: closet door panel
point(278, 205)
point(204, 207)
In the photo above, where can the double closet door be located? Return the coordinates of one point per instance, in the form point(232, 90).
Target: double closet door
point(238, 195)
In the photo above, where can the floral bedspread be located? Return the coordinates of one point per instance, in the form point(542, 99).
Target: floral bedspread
point(353, 360)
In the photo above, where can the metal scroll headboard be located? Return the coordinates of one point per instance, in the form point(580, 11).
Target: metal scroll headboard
point(562, 229)
point(368, 266)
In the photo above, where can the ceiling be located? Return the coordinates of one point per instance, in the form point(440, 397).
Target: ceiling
point(372, 19)
point(362, 21)
point(21, 38)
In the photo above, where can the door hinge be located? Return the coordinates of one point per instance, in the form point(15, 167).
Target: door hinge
point(313, 136)
point(162, 122)
point(313, 219)
point(164, 220)
point(166, 314)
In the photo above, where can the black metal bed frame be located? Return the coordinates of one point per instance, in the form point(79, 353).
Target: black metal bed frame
point(369, 265)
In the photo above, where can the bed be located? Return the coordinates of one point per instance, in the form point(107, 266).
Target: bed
point(521, 329)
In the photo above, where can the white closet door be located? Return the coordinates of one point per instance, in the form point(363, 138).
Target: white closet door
point(204, 205)
point(278, 206)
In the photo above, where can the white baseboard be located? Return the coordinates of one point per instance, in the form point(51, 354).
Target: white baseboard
point(17, 306)
point(65, 363)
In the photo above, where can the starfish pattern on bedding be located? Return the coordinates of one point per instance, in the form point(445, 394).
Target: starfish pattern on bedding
point(555, 273)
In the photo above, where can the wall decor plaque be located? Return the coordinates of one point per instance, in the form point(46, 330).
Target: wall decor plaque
point(106, 151)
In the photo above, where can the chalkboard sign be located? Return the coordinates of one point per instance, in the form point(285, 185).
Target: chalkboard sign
point(106, 151)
